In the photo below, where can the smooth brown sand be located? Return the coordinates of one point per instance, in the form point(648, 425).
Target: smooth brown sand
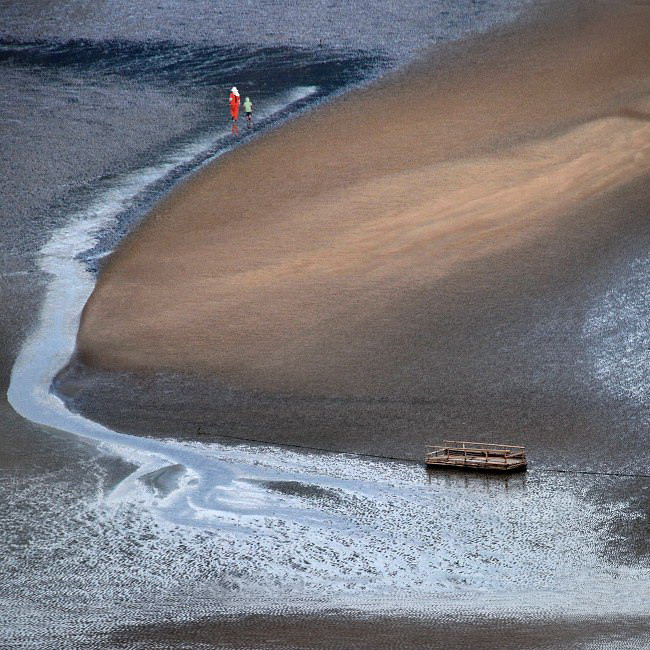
point(411, 262)
point(294, 263)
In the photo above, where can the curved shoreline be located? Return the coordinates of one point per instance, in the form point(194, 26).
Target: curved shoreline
point(51, 344)
point(275, 246)
point(364, 257)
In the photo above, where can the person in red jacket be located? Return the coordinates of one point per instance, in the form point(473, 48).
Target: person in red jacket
point(234, 103)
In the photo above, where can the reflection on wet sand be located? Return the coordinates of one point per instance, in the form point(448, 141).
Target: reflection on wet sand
point(478, 482)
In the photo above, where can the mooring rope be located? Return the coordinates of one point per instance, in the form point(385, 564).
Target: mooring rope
point(397, 458)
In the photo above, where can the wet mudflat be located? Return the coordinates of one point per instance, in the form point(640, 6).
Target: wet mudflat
point(208, 542)
point(365, 551)
point(335, 629)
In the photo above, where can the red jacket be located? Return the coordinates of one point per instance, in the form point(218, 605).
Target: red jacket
point(234, 105)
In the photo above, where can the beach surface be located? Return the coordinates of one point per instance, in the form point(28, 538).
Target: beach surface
point(427, 254)
point(459, 250)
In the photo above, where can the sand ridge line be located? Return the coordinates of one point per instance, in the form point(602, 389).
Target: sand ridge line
point(454, 203)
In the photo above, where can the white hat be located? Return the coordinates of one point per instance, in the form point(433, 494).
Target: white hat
point(234, 90)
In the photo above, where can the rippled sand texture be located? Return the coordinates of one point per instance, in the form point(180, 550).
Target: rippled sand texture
point(295, 263)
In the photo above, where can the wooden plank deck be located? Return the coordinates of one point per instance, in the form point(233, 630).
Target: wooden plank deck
point(476, 456)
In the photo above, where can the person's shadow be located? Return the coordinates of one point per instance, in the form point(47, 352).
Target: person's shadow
point(235, 128)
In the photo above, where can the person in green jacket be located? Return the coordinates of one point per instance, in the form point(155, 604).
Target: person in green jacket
point(248, 109)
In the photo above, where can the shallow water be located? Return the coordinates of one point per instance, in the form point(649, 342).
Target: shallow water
point(329, 531)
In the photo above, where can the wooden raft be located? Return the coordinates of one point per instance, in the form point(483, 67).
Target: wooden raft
point(476, 456)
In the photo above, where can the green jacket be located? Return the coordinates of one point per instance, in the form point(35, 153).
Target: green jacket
point(248, 105)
